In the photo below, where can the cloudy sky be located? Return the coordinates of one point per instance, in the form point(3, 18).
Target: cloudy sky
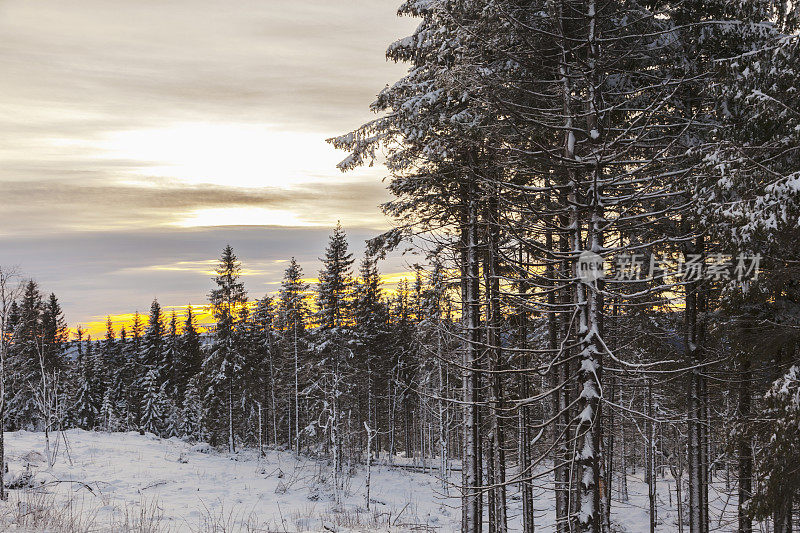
point(138, 138)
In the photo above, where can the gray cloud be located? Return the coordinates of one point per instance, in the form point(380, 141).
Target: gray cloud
point(90, 204)
point(111, 273)
point(314, 63)
point(86, 68)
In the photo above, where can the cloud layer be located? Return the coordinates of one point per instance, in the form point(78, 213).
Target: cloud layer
point(122, 122)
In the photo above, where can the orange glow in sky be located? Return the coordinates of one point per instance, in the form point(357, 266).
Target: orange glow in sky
point(202, 313)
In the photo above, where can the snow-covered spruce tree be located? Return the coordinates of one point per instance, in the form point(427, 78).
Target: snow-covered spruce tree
point(778, 490)
point(403, 372)
point(52, 361)
point(250, 383)
point(152, 403)
point(74, 376)
point(604, 180)
point(169, 378)
point(89, 399)
point(293, 312)
point(193, 415)
point(153, 345)
point(171, 357)
point(333, 366)
point(23, 362)
point(371, 338)
point(261, 367)
point(122, 379)
point(224, 362)
point(438, 346)
point(132, 372)
point(190, 357)
point(112, 377)
point(54, 335)
point(150, 370)
point(110, 353)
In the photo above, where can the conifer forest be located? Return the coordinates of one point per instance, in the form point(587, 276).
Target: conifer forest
point(598, 206)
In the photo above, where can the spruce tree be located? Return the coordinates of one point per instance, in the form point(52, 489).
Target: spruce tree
point(293, 312)
point(150, 375)
point(334, 291)
point(370, 337)
point(153, 341)
point(260, 365)
point(333, 317)
point(193, 414)
point(54, 335)
point(133, 372)
point(111, 357)
point(190, 356)
point(89, 398)
point(152, 403)
point(170, 368)
point(224, 363)
point(24, 366)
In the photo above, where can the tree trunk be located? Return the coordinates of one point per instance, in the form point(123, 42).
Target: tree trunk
point(623, 482)
point(526, 487)
point(443, 459)
point(2, 416)
point(694, 340)
point(296, 391)
point(231, 447)
point(744, 446)
point(651, 464)
point(471, 520)
point(562, 375)
point(589, 303)
point(273, 402)
point(2, 440)
point(494, 321)
point(782, 516)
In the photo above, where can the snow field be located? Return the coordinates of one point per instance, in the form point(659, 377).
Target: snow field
point(127, 482)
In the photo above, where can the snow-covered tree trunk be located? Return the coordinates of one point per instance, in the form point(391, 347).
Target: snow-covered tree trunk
point(589, 299)
point(623, 482)
point(744, 445)
point(562, 480)
point(333, 428)
point(494, 324)
point(651, 459)
point(472, 516)
point(524, 452)
point(273, 400)
point(231, 445)
point(260, 432)
point(588, 430)
point(370, 437)
point(697, 433)
point(296, 389)
point(442, 412)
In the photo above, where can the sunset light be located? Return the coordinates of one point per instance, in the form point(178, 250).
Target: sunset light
point(231, 155)
point(241, 216)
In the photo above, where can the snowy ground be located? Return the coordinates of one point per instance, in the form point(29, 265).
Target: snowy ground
point(129, 482)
